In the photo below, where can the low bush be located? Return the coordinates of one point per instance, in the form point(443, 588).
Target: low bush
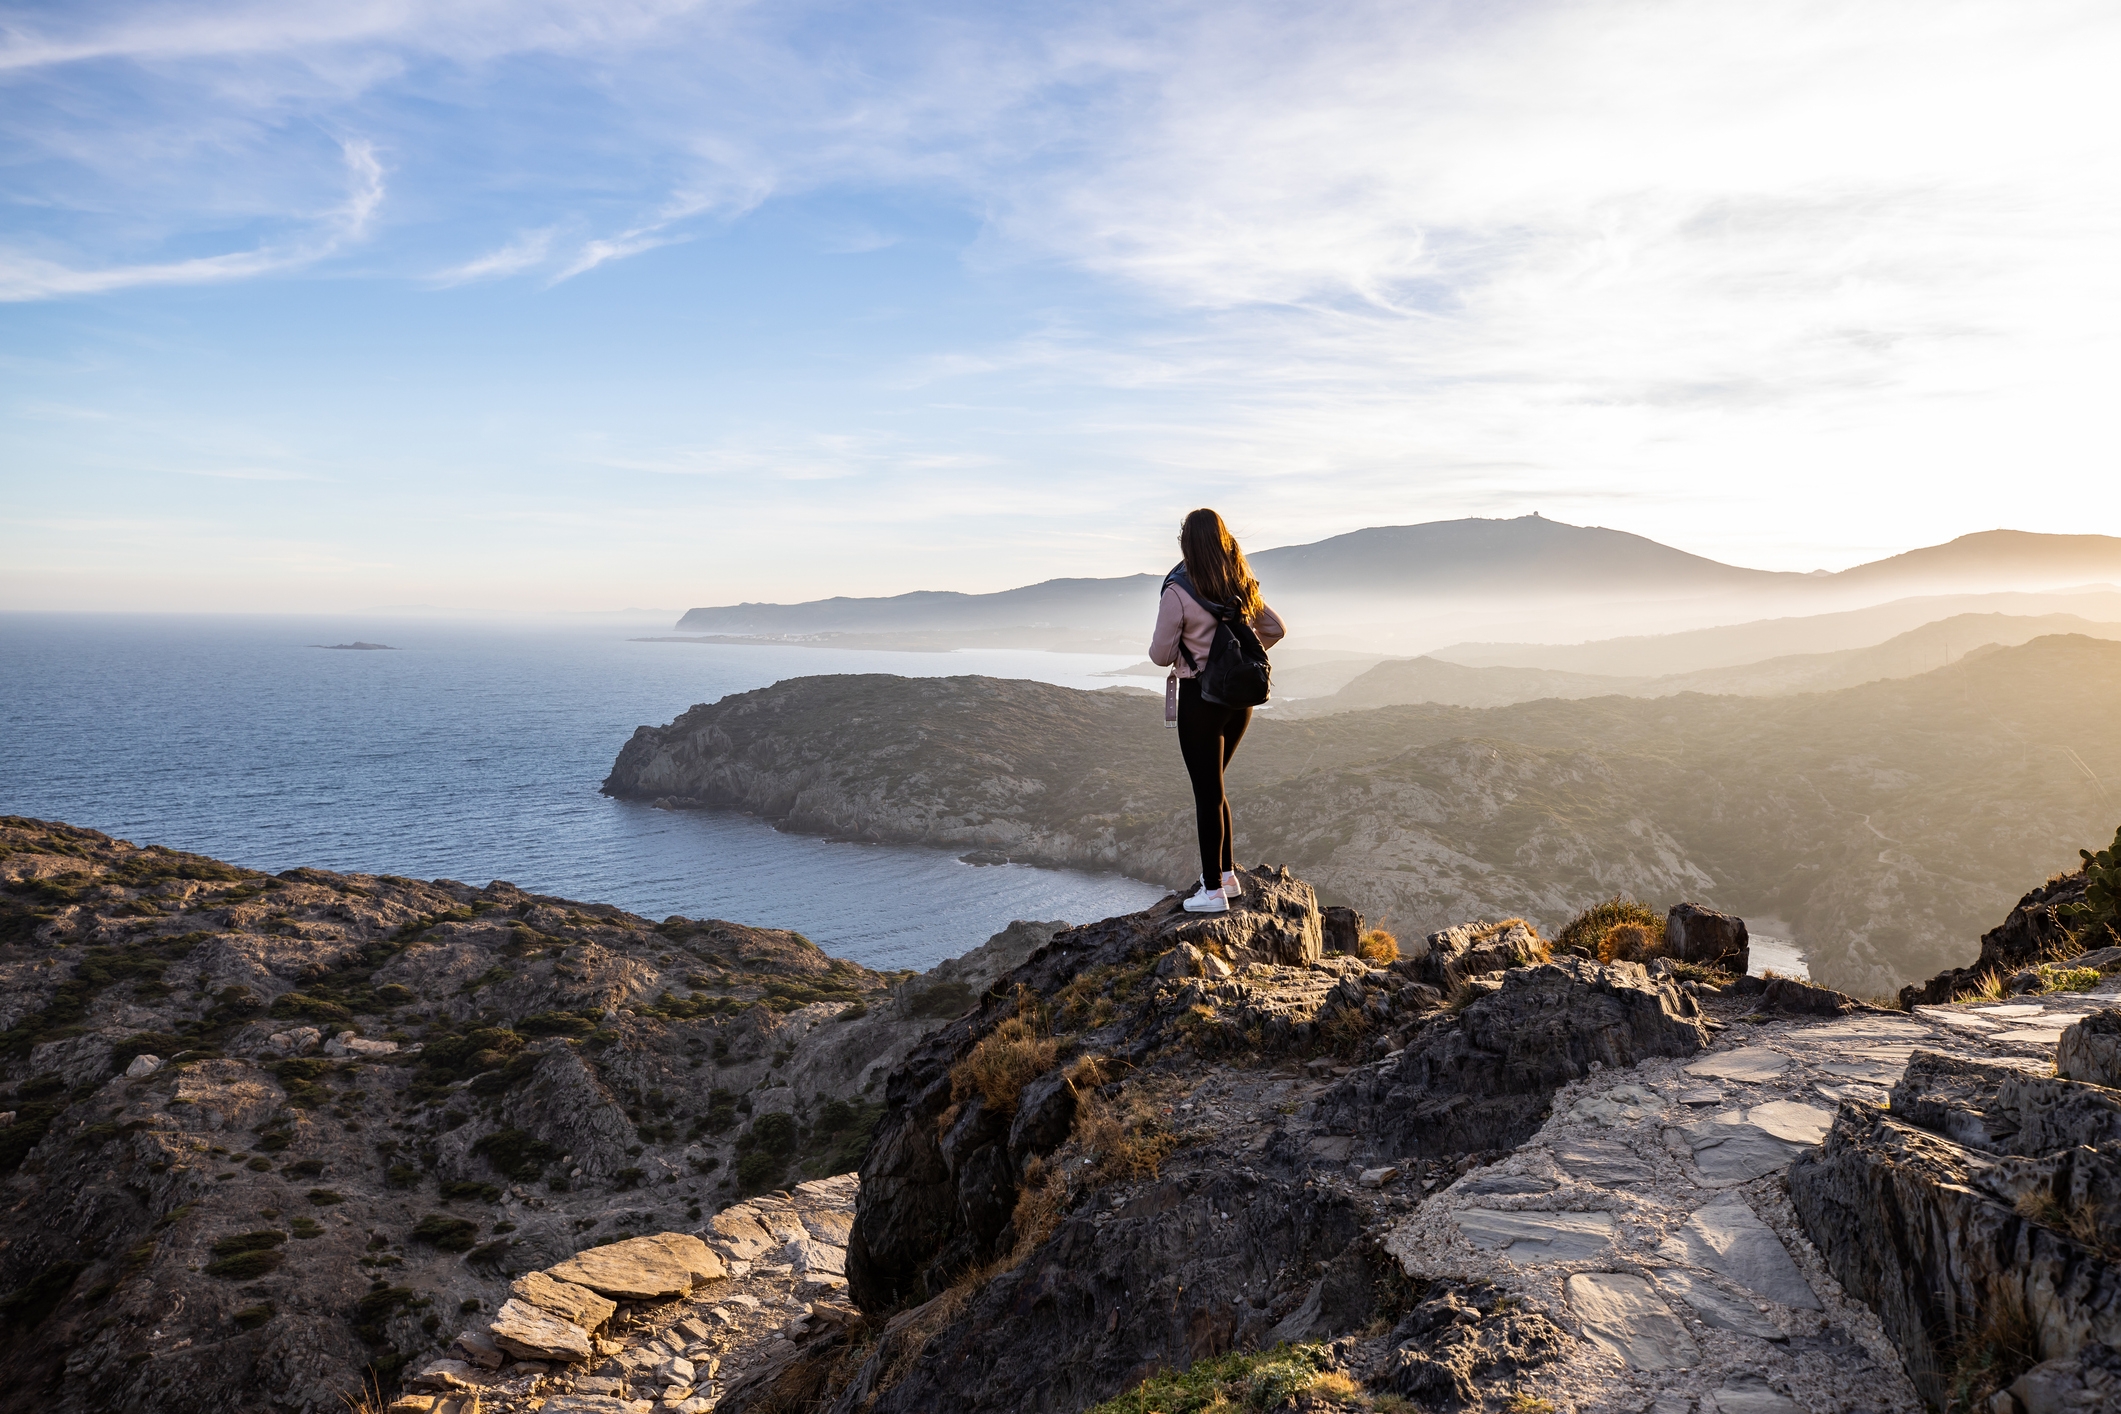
point(245, 1266)
point(252, 1317)
point(515, 1154)
point(1378, 946)
point(944, 999)
point(325, 1197)
point(448, 1234)
point(468, 1188)
point(1270, 1379)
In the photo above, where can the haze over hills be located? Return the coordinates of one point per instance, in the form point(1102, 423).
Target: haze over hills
point(1424, 585)
point(1434, 679)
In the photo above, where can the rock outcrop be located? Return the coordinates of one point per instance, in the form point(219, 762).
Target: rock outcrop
point(1975, 1215)
point(2033, 932)
point(310, 1126)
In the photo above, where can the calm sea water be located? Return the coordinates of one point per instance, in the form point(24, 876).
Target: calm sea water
point(474, 752)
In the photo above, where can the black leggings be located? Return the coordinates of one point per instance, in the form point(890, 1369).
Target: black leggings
point(1208, 734)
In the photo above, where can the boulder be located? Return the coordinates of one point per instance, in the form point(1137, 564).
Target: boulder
point(1185, 960)
point(1702, 935)
point(143, 1065)
point(655, 1268)
point(525, 1330)
point(564, 1299)
point(1341, 928)
point(1276, 921)
point(2090, 1050)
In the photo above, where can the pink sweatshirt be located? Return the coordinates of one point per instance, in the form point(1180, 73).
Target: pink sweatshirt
point(1180, 617)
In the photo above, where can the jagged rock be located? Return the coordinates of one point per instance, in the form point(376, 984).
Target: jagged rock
point(143, 1065)
point(2090, 1378)
point(2090, 1050)
point(1622, 1313)
point(1185, 960)
point(476, 1347)
point(1804, 999)
point(1745, 1392)
point(1963, 1203)
point(445, 1375)
point(1448, 958)
point(564, 1299)
point(1696, 934)
point(653, 1268)
point(529, 1331)
point(1464, 1335)
point(2033, 930)
point(1480, 1079)
point(1342, 928)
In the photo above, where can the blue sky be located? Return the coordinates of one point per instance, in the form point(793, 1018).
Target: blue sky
point(565, 306)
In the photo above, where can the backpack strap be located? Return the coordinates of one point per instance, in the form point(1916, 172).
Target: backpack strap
point(1179, 577)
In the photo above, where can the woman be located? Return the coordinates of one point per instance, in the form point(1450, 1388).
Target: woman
point(1208, 732)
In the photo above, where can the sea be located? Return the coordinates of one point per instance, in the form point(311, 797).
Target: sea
point(472, 750)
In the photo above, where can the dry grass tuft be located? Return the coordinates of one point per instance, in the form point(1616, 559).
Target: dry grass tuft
point(1007, 1058)
point(368, 1400)
point(2079, 1222)
point(1522, 1403)
point(2004, 1346)
point(1378, 946)
point(1336, 1388)
point(1585, 935)
point(1125, 1138)
point(1629, 942)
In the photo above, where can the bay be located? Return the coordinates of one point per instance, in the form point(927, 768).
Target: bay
point(473, 750)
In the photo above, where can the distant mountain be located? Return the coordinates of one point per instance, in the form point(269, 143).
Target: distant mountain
point(1997, 559)
point(1528, 560)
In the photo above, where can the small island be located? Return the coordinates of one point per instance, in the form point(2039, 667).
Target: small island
point(358, 647)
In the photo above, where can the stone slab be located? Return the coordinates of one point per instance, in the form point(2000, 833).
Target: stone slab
point(809, 1257)
point(1717, 1307)
point(564, 1299)
point(739, 1236)
point(1623, 1315)
point(654, 1268)
point(1957, 1020)
point(1736, 1153)
point(524, 1330)
point(1870, 1072)
point(1849, 1029)
point(2028, 1037)
point(1534, 1239)
point(1496, 1184)
point(1751, 1064)
point(1792, 1121)
point(1605, 1162)
point(1745, 1392)
point(1701, 1095)
point(2015, 1009)
point(1729, 1239)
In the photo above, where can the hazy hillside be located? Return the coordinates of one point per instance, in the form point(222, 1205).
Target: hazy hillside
point(1905, 655)
point(1736, 644)
point(1394, 585)
point(1889, 823)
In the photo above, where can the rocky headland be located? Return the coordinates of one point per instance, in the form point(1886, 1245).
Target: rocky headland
point(1886, 823)
point(1274, 1160)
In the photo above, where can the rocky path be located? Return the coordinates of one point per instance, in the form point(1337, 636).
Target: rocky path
point(1650, 1215)
point(782, 1259)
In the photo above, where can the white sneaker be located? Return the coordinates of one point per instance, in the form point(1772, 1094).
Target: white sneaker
point(1208, 901)
point(1233, 887)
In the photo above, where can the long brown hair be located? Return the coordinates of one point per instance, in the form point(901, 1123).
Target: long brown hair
point(1215, 564)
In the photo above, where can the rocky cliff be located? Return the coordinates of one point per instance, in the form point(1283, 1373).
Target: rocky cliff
point(1886, 823)
point(261, 1134)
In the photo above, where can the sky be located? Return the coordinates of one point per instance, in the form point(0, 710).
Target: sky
point(539, 306)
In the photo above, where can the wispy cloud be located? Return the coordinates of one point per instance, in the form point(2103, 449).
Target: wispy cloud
point(527, 251)
point(28, 277)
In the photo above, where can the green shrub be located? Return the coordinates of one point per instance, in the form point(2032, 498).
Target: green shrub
point(515, 1154)
point(246, 1266)
point(258, 1241)
point(325, 1197)
point(449, 1234)
point(305, 1228)
point(378, 1306)
point(559, 1023)
point(467, 1188)
point(628, 1178)
point(252, 1317)
point(2096, 922)
point(1585, 935)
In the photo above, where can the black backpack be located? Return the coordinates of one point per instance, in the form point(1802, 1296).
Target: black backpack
point(1237, 673)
